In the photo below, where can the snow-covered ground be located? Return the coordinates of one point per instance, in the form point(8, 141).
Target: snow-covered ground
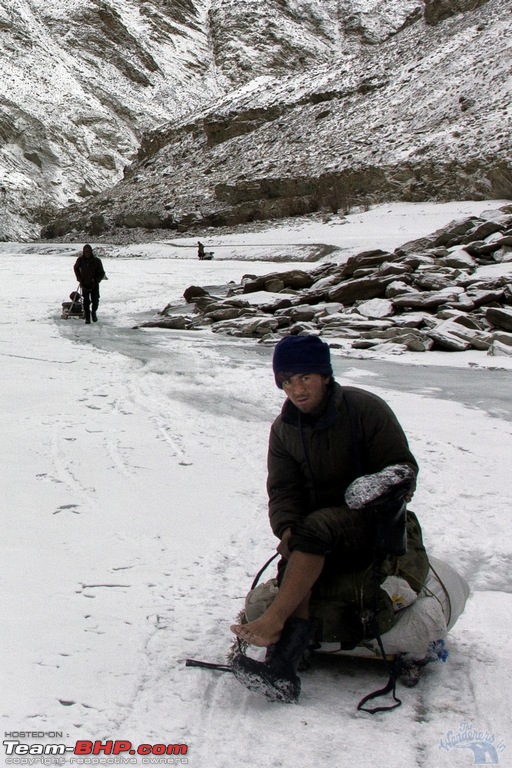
point(134, 520)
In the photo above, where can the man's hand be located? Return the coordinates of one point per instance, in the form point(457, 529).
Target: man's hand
point(282, 547)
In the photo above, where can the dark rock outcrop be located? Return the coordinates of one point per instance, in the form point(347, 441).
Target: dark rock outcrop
point(441, 300)
point(438, 10)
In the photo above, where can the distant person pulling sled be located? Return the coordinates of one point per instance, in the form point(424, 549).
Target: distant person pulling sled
point(202, 254)
point(340, 473)
point(89, 273)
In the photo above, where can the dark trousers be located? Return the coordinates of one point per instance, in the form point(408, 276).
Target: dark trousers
point(91, 298)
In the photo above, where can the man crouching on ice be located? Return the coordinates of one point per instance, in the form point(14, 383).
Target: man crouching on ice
point(339, 474)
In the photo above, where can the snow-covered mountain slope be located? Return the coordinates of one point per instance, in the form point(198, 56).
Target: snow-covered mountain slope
point(79, 83)
point(233, 111)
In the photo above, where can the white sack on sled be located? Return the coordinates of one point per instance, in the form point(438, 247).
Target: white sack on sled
point(434, 612)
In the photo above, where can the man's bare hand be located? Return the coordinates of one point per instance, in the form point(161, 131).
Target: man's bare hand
point(282, 547)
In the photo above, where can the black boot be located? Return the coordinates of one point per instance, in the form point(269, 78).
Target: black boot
point(276, 677)
point(391, 529)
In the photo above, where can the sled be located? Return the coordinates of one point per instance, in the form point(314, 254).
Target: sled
point(361, 652)
point(207, 256)
point(73, 308)
point(416, 639)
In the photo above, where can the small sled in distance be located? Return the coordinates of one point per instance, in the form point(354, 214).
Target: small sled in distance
point(73, 308)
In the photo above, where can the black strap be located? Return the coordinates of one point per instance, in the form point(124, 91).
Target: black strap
point(390, 687)
point(208, 665)
point(392, 667)
point(262, 569)
point(353, 431)
point(309, 469)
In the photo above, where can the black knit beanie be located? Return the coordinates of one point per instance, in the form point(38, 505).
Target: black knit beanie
point(300, 354)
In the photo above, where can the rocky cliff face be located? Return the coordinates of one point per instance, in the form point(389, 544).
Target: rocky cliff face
point(236, 111)
point(80, 82)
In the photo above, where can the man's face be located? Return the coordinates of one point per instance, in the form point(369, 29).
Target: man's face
point(307, 391)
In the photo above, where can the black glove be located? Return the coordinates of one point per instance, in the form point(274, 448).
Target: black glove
point(391, 529)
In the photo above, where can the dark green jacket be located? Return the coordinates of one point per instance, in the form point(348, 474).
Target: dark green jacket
point(310, 465)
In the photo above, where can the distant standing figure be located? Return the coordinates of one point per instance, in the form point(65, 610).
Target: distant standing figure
point(89, 273)
point(200, 250)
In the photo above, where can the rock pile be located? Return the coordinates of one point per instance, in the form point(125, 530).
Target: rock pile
point(431, 293)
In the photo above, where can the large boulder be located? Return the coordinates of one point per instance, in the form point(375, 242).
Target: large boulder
point(192, 292)
point(425, 299)
point(439, 10)
point(349, 291)
point(295, 279)
point(366, 260)
point(376, 308)
point(502, 318)
point(497, 348)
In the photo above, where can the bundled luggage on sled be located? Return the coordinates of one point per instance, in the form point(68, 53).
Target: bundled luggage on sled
point(73, 308)
point(424, 619)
